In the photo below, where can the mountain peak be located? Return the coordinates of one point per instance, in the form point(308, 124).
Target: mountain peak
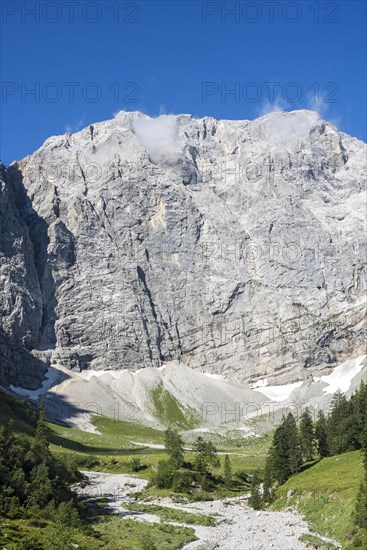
point(234, 247)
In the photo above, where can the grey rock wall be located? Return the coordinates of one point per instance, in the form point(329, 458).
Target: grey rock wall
point(235, 247)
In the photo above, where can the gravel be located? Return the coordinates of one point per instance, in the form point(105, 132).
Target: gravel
point(239, 527)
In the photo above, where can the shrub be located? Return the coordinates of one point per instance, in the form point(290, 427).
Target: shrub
point(135, 465)
point(163, 478)
point(182, 481)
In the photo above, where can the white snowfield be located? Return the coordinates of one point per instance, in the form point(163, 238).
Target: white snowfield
point(342, 376)
point(72, 397)
point(234, 246)
point(238, 526)
point(279, 393)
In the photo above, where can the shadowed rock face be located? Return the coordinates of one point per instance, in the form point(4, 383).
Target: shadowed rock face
point(21, 304)
point(235, 247)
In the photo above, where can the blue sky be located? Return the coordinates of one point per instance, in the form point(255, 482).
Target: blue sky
point(87, 60)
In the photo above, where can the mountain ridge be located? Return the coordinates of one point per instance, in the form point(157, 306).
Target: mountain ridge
point(234, 247)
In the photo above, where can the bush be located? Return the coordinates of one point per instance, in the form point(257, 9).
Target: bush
point(164, 476)
point(135, 465)
point(67, 515)
point(244, 476)
point(28, 544)
point(202, 495)
point(182, 481)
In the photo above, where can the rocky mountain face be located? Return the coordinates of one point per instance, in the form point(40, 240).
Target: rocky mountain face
point(234, 247)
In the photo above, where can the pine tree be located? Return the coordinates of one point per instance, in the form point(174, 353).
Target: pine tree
point(206, 455)
point(307, 436)
point(255, 498)
point(360, 514)
point(285, 457)
point(294, 446)
point(277, 461)
point(41, 426)
point(338, 415)
point(205, 458)
point(201, 464)
point(227, 471)
point(174, 447)
point(322, 436)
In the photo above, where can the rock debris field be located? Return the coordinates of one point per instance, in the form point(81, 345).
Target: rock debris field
point(238, 528)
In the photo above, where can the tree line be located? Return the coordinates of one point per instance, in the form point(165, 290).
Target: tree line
point(296, 445)
point(181, 475)
point(32, 480)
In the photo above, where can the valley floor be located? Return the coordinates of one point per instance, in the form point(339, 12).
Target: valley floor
point(237, 526)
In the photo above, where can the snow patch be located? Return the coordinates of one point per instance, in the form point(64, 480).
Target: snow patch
point(279, 393)
point(259, 384)
point(52, 376)
point(342, 376)
point(215, 376)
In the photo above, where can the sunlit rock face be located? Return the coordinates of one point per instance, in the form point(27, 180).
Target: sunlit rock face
point(234, 247)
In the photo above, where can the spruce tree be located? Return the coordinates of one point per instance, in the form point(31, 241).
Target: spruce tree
point(294, 446)
point(227, 471)
point(360, 514)
point(277, 461)
point(285, 457)
point(206, 455)
point(201, 464)
point(322, 436)
point(41, 426)
point(174, 447)
point(307, 436)
point(337, 417)
point(255, 498)
point(205, 458)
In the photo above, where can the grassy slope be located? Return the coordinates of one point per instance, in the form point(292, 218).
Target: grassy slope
point(109, 533)
point(114, 437)
point(136, 535)
point(19, 412)
point(325, 494)
point(170, 412)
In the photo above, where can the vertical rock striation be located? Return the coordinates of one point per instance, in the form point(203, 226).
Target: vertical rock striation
point(235, 247)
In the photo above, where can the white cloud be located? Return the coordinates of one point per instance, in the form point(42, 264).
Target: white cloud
point(322, 108)
point(317, 104)
point(70, 128)
point(272, 107)
point(288, 127)
point(159, 136)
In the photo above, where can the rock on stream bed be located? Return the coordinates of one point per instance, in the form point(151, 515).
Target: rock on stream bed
point(239, 527)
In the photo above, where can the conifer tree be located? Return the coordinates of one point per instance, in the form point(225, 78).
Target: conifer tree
point(205, 458)
point(321, 435)
point(307, 436)
point(277, 461)
point(174, 447)
point(255, 498)
point(336, 419)
point(227, 471)
point(294, 446)
point(285, 457)
point(41, 426)
point(360, 514)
